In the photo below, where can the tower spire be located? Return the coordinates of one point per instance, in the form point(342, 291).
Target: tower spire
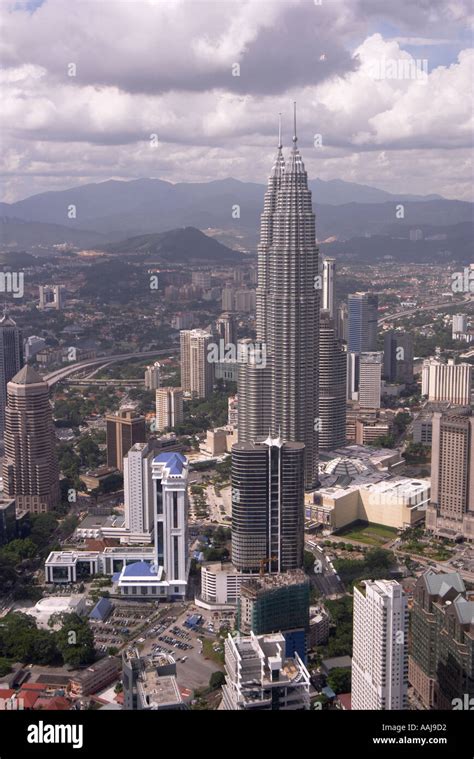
point(295, 138)
point(279, 132)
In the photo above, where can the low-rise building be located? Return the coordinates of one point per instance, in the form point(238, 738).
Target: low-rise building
point(95, 677)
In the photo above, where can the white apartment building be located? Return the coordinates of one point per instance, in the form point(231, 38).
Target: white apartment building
point(446, 381)
point(152, 376)
point(329, 273)
point(138, 490)
point(197, 373)
point(169, 407)
point(220, 585)
point(370, 379)
point(380, 648)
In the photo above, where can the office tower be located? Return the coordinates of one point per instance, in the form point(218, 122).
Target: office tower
point(169, 407)
point(332, 386)
point(254, 394)
point(30, 466)
point(267, 505)
point(362, 313)
point(50, 296)
point(342, 322)
point(260, 676)
point(149, 682)
point(138, 489)
point(170, 480)
point(329, 285)
point(152, 376)
point(11, 359)
point(276, 603)
point(288, 309)
point(197, 372)
point(447, 381)
point(380, 650)
point(440, 665)
point(124, 429)
point(451, 512)
point(353, 371)
point(225, 329)
point(398, 357)
point(227, 298)
point(459, 326)
point(32, 345)
point(370, 379)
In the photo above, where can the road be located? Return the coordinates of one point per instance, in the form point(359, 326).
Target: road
point(325, 577)
point(441, 305)
point(60, 374)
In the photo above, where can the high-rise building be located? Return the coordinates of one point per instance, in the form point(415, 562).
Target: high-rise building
point(276, 603)
point(169, 407)
point(260, 675)
point(288, 311)
point(353, 371)
point(451, 512)
point(342, 322)
point(149, 682)
point(227, 298)
point(11, 359)
point(332, 386)
point(398, 357)
point(170, 479)
point(152, 376)
point(447, 381)
point(124, 429)
point(459, 326)
point(362, 311)
point(254, 394)
point(440, 666)
point(50, 296)
point(225, 329)
point(244, 300)
point(197, 372)
point(267, 505)
point(138, 489)
point(201, 279)
point(380, 648)
point(329, 285)
point(30, 465)
point(33, 344)
point(370, 379)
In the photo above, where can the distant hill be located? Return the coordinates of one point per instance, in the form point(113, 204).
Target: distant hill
point(26, 234)
point(18, 258)
point(187, 245)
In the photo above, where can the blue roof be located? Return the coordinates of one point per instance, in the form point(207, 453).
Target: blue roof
point(328, 691)
point(116, 576)
point(139, 569)
point(173, 460)
point(102, 609)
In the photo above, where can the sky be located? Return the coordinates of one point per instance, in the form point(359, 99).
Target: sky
point(190, 90)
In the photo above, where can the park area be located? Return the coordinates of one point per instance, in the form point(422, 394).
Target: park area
point(367, 532)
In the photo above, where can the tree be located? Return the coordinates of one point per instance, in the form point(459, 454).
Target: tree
point(5, 667)
point(339, 679)
point(308, 561)
point(75, 641)
point(216, 680)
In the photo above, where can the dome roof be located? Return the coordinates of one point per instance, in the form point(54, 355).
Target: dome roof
point(345, 467)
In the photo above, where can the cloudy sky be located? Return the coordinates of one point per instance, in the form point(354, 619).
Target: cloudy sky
point(87, 84)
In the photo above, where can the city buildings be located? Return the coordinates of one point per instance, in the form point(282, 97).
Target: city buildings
point(33, 345)
point(460, 327)
point(11, 359)
point(225, 329)
point(96, 677)
point(440, 666)
point(50, 296)
point(287, 315)
point(197, 372)
point(398, 357)
point(267, 505)
point(152, 376)
point(220, 585)
point(362, 314)
point(260, 676)
point(124, 429)
point(380, 648)
point(329, 285)
point(370, 379)
point(30, 465)
point(149, 682)
point(138, 489)
point(169, 407)
point(332, 386)
point(447, 381)
point(451, 512)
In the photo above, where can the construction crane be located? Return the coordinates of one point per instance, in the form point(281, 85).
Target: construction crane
point(263, 563)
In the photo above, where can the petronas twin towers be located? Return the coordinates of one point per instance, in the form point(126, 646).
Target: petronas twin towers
point(282, 396)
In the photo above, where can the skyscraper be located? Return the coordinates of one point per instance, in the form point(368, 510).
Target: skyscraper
point(137, 488)
point(380, 650)
point(30, 466)
point(398, 357)
point(267, 505)
point(329, 284)
point(332, 386)
point(152, 376)
point(225, 328)
point(451, 512)
point(124, 429)
point(447, 381)
point(370, 379)
point(11, 359)
point(288, 310)
point(197, 373)
point(362, 310)
point(169, 407)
